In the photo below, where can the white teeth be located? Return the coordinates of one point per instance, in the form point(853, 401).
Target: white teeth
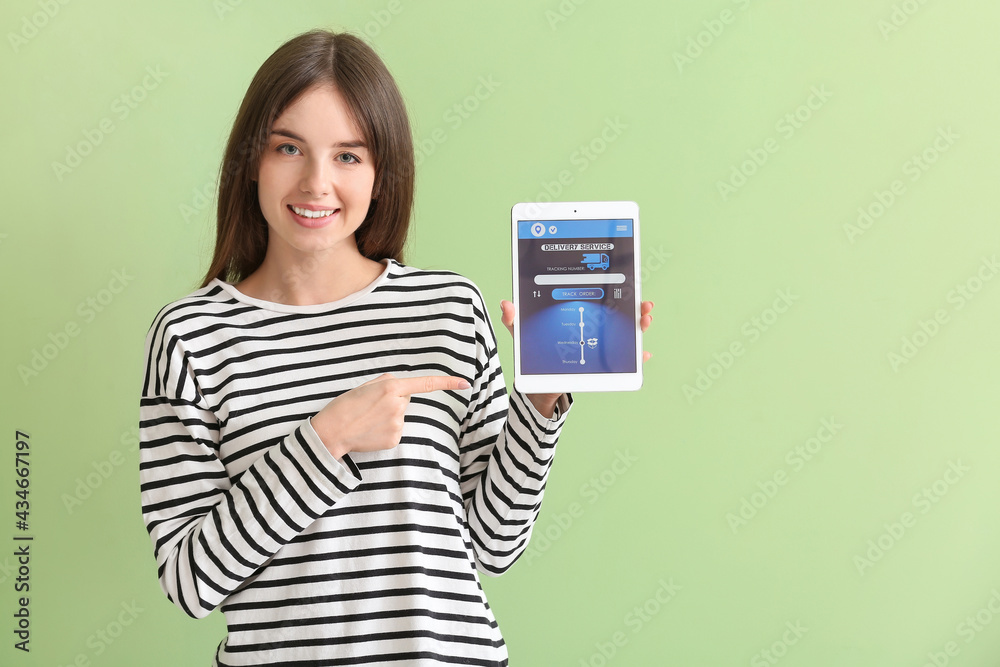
point(306, 213)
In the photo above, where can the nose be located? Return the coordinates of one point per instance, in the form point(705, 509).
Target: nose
point(316, 177)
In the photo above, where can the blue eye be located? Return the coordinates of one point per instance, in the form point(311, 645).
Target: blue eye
point(350, 158)
point(282, 147)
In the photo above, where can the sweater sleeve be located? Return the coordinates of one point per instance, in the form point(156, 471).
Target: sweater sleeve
point(211, 534)
point(506, 450)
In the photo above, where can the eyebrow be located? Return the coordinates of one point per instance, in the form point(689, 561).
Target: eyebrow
point(341, 144)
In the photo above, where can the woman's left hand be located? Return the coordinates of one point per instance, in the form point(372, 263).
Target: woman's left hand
point(546, 403)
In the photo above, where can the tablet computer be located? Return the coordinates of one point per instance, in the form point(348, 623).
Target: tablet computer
point(576, 296)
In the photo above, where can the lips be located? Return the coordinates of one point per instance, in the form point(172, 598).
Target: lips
point(312, 217)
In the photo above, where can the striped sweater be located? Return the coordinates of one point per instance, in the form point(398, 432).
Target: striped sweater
point(314, 561)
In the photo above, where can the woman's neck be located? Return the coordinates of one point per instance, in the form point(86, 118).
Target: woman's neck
point(314, 279)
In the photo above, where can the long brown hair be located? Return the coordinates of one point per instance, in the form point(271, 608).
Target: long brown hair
point(314, 58)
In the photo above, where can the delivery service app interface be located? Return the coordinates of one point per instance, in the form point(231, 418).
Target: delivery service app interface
point(577, 296)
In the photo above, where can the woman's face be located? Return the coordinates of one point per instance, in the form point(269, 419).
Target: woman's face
point(316, 176)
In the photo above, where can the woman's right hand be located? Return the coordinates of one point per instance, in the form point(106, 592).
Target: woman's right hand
point(369, 417)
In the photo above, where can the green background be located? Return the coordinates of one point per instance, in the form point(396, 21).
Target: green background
point(895, 77)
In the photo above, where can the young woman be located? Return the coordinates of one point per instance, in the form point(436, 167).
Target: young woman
point(328, 450)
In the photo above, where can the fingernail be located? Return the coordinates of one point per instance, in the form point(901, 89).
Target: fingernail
point(464, 384)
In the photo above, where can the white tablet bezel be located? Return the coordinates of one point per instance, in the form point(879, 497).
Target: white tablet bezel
point(574, 382)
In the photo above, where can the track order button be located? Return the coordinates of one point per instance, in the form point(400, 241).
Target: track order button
point(577, 293)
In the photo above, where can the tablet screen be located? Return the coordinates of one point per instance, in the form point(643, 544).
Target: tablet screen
point(577, 296)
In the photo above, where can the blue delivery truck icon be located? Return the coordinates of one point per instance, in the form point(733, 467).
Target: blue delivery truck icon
point(596, 260)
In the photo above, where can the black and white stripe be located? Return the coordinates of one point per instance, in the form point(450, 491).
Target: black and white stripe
point(316, 562)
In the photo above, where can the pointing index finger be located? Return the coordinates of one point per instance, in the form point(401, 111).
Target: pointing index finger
point(426, 383)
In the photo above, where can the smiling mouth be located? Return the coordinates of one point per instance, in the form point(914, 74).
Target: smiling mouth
point(307, 213)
